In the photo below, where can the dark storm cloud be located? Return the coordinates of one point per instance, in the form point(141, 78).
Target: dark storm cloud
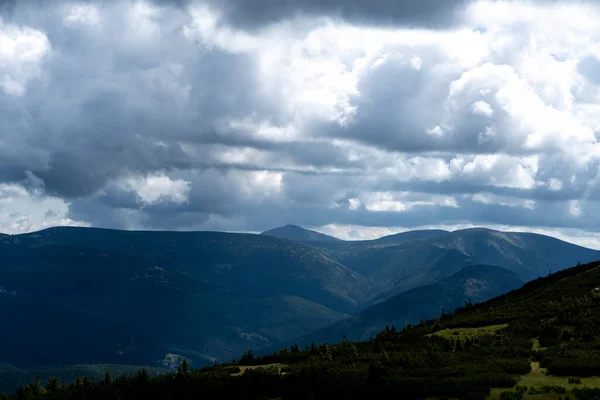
point(424, 13)
point(78, 133)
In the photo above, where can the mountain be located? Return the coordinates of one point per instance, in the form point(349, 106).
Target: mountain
point(429, 256)
point(476, 283)
point(141, 298)
point(411, 236)
point(105, 296)
point(295, 232)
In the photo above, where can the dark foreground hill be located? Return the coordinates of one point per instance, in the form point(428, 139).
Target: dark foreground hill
point(552, 323)
point(475, 283)
point(80, 295)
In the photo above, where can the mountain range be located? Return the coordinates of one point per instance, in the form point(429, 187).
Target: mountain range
point(144, 297)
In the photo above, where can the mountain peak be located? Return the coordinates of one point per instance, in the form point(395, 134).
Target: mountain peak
point(297, 233)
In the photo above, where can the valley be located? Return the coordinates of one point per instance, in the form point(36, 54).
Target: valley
point(139, 297)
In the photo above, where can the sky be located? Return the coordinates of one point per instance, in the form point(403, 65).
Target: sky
point(357, 119)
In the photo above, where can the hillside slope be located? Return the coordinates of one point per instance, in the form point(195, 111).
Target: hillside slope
point(103, 296)
point(429, 256)
point(539, 341)
point(475, 283)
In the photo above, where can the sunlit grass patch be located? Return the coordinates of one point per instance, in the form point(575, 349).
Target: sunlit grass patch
point(243, 368)
point(463, 333)
point(538, 377)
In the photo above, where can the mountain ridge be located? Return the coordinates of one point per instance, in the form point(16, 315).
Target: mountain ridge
point(298, 233)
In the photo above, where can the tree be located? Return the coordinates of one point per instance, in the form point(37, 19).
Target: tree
point(107, 378)
point(184, 368)
point(247, 357)
point(142, 376)
point(459, 345)
point(53, 384)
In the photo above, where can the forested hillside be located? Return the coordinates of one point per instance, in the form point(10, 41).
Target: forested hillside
point(551, 324)
point(474, 283)
point(132, 297)
point(103, 296)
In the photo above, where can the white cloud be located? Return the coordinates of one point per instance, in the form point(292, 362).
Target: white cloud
point(490, 198)
point(480, 107)
point(22, 51)
point(81, 13)
point(555, 185)
point(158, 188)
point(354, 203)
point(22, 211)
point(405, 201)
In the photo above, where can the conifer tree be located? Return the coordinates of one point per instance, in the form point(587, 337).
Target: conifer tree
point(53, 384)
point(107, 378)
point(184, 368)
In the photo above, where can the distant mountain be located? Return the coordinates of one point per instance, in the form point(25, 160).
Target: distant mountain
point(82, 295)
point(411, 236)
point(413, 259)
point(295, 232)
point(476, 282)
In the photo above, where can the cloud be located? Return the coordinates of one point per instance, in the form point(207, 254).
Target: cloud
point(22, 211)
point(257, 13)
point(242, 116)
point(21, 54)
point(158, 188)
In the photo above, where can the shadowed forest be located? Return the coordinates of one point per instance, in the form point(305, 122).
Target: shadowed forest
point(471, 353)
